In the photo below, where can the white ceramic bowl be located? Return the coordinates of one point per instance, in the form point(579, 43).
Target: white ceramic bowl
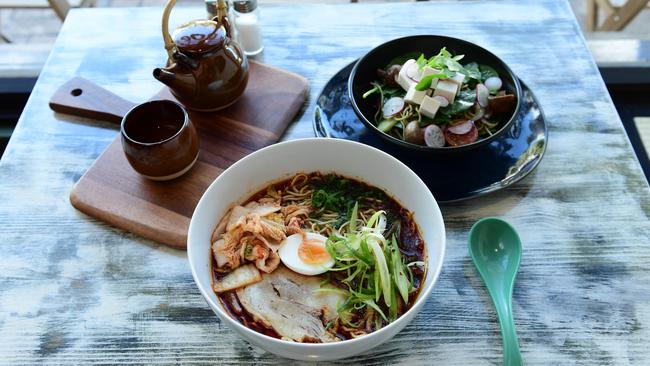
point(282, 160)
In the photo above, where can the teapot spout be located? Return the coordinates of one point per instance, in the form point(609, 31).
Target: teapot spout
point(182, 85)
point(164, 76)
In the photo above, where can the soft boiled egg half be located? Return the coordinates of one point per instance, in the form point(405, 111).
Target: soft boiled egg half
point(306, 254)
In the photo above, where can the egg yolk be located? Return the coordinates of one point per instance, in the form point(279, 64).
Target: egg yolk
point(313, 252)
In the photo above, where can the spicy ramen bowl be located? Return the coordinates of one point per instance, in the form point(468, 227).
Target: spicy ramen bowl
point(283, 160)
point(364, 73)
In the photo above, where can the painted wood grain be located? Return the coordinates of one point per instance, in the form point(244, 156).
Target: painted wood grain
point(76, 291)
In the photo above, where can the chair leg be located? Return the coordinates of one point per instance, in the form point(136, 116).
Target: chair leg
point(592, 16)
point(617, 20)
point(60, 7)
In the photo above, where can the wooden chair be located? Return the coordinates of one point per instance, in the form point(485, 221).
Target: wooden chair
point(60, 7)
point(617, 17)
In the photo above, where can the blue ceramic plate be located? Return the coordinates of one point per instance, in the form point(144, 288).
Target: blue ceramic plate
point(463, 175)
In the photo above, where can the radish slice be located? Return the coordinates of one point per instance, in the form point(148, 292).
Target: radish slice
point(413, 72)
point(442, 100)
point(482, 94)
point(461, 128)
point(493, 84)
point(433, 136)
point(392, 106)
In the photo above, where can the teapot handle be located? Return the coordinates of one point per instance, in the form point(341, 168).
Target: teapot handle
point(169, 42)
point(222, 17)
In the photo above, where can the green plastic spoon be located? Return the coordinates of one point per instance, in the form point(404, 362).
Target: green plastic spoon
point(495, 249)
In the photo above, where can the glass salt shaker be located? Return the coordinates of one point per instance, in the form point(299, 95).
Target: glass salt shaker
point(211, 8)
point(247, 23)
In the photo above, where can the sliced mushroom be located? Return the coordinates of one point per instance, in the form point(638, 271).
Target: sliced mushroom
point(502, 103)
point(413, 133)
point(465, 138)
point(390, 75)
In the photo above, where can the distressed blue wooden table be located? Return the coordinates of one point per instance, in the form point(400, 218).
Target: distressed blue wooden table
point(74, 290)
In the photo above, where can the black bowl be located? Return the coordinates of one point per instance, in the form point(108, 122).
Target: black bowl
point(365, 72)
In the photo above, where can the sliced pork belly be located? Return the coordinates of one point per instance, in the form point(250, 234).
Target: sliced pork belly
point(285, 301)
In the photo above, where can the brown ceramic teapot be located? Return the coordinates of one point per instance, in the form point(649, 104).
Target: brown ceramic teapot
point(206, 69)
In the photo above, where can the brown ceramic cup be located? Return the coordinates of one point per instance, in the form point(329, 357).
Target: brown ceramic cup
point(159, 140)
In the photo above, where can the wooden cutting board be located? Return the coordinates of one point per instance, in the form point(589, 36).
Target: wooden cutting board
point(113, 192)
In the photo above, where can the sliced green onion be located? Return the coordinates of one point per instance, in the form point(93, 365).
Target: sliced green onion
point(392, 308)
point(386, 125)
point(399, 273)
point(352, 226)
point(375, 307)
point(382, 267)
point(374, 219)
point(331, 290)
point(370, 92)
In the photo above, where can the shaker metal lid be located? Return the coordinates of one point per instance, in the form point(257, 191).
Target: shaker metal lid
point(245, 6)
point(198, 36)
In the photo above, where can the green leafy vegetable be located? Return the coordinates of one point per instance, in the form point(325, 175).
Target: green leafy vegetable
point(440, 119)
point(446, 62)
point(392, 92)
point(487, 72)
point(472, 71)
point(421, 61)
point(323, 199)
point(464, 101)
point(440, 60)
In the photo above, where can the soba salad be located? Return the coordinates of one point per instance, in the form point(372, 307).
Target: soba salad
point(317, 258)
point(440, 102)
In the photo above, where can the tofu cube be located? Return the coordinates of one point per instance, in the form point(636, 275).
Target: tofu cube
point(447, 89)
point(429, 107)
point(415, 96)
point(428, 71)
point(458, 78)
point(402, 79)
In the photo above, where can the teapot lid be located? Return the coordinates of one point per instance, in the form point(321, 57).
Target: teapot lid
point(199, 36)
